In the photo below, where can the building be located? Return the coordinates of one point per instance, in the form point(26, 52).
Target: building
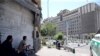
point(80, 22)
point(20, 18)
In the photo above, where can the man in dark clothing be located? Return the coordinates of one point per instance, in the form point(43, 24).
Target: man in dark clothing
point(58, 45)
point(6, 47)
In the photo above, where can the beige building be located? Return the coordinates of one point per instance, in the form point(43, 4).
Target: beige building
point(80, 22)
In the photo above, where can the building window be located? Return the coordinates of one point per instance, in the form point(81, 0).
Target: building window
point(61, 17)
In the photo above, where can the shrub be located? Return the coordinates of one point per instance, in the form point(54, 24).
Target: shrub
point(58, 36)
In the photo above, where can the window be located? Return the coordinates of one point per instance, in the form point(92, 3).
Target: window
point(97, 38)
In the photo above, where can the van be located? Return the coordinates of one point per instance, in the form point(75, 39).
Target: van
point(95, 46)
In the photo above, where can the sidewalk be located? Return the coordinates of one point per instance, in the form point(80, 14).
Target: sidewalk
point(82, 51)
point(75, 45)
point(52, 52)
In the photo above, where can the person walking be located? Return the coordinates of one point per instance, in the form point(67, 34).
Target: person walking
point(59, 45)
point(56, 44)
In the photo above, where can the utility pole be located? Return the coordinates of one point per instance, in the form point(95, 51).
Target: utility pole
point(87, 1)
point(47, 8)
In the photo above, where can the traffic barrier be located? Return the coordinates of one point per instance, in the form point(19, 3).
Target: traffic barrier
point(70, 49)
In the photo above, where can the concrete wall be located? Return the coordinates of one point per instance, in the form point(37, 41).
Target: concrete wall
point(88, 22)
point(15, 20)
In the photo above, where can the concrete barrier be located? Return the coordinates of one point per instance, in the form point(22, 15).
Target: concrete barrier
point(70, 49)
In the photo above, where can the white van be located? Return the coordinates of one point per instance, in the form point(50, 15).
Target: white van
point(95, 46)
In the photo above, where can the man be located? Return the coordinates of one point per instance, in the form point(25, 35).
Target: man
point(22, 47)
point(58, 45)
point(6, 47)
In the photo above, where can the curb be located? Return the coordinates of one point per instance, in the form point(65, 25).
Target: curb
point(80, 46)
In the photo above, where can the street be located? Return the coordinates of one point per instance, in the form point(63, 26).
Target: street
point(81, 51)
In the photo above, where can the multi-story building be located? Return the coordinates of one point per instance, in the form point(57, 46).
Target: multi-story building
point(20, 18)
point(79, 22)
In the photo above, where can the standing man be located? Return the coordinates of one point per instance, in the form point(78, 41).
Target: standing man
point(58, 45)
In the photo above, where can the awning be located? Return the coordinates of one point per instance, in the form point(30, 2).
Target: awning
point(29, 5)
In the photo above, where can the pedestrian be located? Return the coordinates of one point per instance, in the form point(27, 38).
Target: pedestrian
point(58, 45)
point(22, 47)
point(6, 47)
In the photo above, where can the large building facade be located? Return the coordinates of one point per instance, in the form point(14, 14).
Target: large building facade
point(20, 18)
point(80, 22)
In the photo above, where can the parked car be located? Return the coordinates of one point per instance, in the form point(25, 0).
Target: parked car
point(95, 46)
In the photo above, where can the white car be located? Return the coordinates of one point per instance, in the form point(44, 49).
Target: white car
point(95, 46)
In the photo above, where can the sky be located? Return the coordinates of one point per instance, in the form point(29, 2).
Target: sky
point(55, 6)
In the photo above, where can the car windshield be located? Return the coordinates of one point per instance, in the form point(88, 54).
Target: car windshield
point(97, 38)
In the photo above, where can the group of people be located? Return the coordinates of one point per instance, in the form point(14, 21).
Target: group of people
point(6, 48)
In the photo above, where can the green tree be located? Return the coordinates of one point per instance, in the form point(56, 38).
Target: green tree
point(58, 36)
point(51, 29)
point(48, 29)
point(44, 32)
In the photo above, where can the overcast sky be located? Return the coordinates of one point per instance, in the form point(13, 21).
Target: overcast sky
point(56, 5)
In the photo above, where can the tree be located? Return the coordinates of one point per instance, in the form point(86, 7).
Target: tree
point(58, 36)
point(48, 29)
point(51, 29)
point(44, 32)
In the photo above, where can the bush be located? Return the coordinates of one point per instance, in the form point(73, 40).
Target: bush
point(58, 36)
